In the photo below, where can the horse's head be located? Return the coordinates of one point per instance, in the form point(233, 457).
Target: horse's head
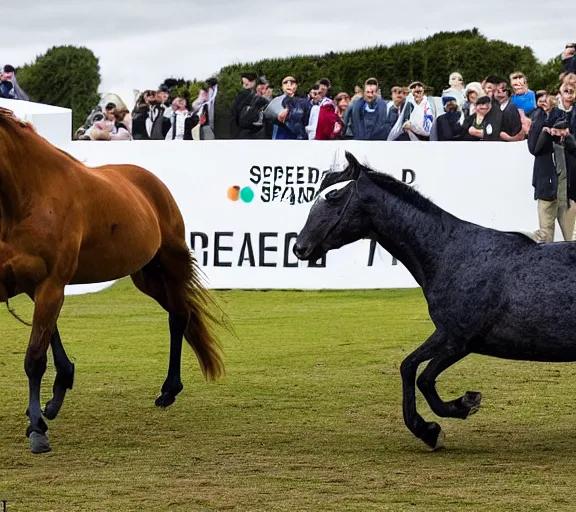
point(336, 218)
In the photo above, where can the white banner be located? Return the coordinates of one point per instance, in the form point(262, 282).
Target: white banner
point(245, 201)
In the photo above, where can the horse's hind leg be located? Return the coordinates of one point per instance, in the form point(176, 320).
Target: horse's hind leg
point(64, 376)
point(150, 280)
point(460, 407)
point(189, 307)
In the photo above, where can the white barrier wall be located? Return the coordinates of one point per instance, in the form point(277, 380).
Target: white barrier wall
point(53, 123)
point(247, 242)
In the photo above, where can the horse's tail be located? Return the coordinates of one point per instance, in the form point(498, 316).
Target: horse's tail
point(205, 316)
point(15, 315)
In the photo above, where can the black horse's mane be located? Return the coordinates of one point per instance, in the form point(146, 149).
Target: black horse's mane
point(402, 190)
point(384, 181)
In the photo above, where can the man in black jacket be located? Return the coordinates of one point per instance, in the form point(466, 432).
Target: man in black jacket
point(554, 173)
point(241, 101)
point(511, 124)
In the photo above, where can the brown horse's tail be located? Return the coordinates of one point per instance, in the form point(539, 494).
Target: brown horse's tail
point(205, 315)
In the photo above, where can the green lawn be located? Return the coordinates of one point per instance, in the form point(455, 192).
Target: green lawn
point(308, 417)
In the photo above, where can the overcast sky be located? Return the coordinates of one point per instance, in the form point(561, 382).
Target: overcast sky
point(139, 43)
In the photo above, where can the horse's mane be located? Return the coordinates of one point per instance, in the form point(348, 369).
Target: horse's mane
point(383, 180)
point(403, 191)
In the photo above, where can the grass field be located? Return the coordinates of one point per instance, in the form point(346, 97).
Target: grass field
point(308, 417)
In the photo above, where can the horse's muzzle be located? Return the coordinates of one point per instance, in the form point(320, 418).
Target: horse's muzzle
point(302, 252)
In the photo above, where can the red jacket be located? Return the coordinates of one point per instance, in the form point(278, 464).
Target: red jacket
point(330, 125)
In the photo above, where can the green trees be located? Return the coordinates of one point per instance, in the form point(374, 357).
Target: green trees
point(65, 76)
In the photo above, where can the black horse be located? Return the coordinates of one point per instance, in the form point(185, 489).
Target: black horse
point(489, 292)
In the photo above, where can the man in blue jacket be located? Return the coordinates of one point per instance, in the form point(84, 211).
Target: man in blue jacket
point(369, 115)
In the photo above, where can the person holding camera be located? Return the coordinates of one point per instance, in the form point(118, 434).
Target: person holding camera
point(554, 173)
point(569, 58)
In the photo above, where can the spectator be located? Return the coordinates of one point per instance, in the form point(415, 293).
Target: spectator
point(419, 114)
point(324, 88)
point(342, 101)
point(511, 123)
point(542, 100)
point(447, 126)
point(9, 87)
point(396, 105)
point(330, 120)
point(523, 97)
point(179, 120)
point(566, 105)
point(107, 129)
point(251, 120)
point(358, 93)
point(315, 98)
point(110, 111)
point(456, 88)
point(291, 122)
point(553, 177)
point(163, 97)
point(369, 115)
point(148, 121)
point(479, 125)
point(243, 99)
point(472, 92)
point(569, 58)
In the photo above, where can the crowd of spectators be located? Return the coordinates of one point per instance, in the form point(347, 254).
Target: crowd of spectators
point(155, 116)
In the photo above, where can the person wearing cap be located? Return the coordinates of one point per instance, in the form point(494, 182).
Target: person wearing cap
point(480, 125)
point(9, 87)
point(554, 173)
point(447, 126)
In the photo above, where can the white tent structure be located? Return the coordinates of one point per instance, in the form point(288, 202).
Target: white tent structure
point(55, 125)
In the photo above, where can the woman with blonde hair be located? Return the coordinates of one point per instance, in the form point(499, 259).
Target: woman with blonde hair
point(471, 93)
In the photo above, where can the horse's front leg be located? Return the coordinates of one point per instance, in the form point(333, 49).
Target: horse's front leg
point(48, 300)
point(429, 432)
point(460, 407)
point(64, 376)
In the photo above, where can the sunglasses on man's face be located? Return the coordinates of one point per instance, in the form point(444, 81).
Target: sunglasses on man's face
point(286, 82)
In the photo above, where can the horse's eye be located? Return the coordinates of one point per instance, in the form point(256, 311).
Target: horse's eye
point(333, 194)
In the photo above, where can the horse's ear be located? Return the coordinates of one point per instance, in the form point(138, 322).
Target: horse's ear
point(354, 166)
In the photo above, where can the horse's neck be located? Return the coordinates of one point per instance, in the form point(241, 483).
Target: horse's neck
point(413, 236)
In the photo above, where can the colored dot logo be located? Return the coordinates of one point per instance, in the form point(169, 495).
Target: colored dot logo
point(245, 194)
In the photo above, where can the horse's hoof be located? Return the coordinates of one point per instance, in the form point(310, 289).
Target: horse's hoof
point(51, 410)
point(434, 436)
point(39, 443)
point(471, 401)
point(165, 400)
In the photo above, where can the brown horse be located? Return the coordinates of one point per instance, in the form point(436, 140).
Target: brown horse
point(64, 223)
